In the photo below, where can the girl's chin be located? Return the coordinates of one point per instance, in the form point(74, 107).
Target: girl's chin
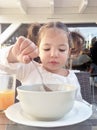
point(52, 70)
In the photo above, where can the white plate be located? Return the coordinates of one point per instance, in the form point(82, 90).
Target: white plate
point(79, 113)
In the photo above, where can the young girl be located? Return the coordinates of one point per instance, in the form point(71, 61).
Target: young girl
point(53, 49)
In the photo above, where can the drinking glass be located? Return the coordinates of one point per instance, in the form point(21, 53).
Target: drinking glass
point(7, 90)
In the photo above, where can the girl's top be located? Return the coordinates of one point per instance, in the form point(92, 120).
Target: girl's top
point(28, 74)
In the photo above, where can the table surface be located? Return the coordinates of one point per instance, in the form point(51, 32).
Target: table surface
point(6, 124)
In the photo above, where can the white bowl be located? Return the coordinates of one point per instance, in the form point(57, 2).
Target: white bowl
point(43, 105)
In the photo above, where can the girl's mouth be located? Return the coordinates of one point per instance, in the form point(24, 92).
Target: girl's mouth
point(54, 62)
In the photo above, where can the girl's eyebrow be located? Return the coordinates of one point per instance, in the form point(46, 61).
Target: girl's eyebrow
point(47, 44)
point(62, 45)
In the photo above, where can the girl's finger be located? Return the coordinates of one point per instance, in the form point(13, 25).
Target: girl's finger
point(34, 54)
point(25, 44)
point(26, 59)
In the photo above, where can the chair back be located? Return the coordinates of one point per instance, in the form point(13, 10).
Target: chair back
point(84, 80)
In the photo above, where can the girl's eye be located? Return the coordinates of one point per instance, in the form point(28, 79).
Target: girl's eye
point(62, 50)
point(46, 49)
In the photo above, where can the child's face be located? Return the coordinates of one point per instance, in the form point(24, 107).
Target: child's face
point(54, 49)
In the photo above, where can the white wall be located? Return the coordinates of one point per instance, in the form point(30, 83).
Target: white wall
point(74, 18)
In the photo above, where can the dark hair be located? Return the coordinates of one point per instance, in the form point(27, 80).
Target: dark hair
point(93, 53)
point(55, 25)
point(93, 41)
point(33, 30)
point(76, 36)
point(77, 42)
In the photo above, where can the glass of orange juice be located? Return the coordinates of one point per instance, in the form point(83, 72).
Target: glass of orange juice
point(7, 90)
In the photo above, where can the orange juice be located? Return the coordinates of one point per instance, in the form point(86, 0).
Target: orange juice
point(6, 99)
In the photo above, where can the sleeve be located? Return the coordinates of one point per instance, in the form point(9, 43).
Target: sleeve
point(19, 69)
point(74, 80)
point(3, 58)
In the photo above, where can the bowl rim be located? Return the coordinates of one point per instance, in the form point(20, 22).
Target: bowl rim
point(19, 88)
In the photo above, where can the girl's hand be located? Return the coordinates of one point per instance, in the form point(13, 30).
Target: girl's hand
point(23, 51)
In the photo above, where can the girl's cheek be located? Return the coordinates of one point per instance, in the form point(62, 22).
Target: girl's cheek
point(41, 53)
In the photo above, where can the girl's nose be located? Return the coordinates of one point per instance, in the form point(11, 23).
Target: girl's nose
point(54, 53)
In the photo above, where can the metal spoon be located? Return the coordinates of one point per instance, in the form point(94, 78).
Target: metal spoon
point(44, 86)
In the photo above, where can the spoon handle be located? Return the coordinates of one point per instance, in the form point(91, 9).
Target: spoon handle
point(44, 87)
